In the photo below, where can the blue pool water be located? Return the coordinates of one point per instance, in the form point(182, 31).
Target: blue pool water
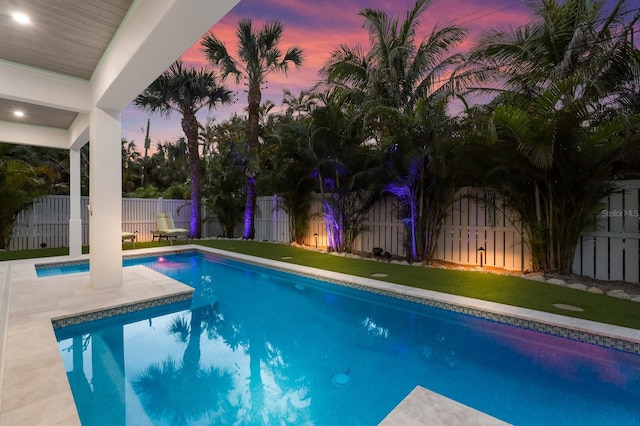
point(257, 346)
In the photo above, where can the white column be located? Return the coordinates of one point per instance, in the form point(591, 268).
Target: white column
point(75, 216)
point(105, 198)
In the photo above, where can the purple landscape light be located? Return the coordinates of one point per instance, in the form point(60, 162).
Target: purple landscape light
point(248, 214)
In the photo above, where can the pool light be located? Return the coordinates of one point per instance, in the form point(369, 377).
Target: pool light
point(341, 380)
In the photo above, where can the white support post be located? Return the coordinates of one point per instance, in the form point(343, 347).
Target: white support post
point(105, 199)
point(75, 215)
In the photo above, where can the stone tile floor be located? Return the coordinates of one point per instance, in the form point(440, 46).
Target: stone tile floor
point(423, 407)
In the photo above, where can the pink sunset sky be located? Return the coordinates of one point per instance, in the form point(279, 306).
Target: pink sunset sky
point(319, 28)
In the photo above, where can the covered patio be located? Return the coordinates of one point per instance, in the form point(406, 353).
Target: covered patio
point(66, 73)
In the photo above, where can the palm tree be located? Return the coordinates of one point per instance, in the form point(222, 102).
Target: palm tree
point(398, 70)
point(303, 104)
point(132, 172)
point(168, 165)
point(400, 87)
point(562, 40)
point(557, 132)
point(423, 174)
point(347, 169)
point(291, 171)
point(56, 161)
point(258, 56)
point(186, 91)
point(223, 187)
point(553, 169)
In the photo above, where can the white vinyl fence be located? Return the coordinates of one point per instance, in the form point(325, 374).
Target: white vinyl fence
point(478, 229)
point(385, 230)
point(46, 221)
point(612, 250)
point(46, 224)
point(475, 220)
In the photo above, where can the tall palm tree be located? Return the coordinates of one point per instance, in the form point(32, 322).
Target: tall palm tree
point(556, 126)
point(258, 56)
point(399, 69)
point(400, 87)
point(186, 91)
point(422, 174)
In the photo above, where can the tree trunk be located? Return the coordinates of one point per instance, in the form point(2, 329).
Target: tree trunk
point(249, 209)
point(190, 128)
point(253, 135)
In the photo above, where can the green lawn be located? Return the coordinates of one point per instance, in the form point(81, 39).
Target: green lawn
point(496, 288)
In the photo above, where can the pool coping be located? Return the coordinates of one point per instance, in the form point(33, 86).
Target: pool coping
point(426, 407)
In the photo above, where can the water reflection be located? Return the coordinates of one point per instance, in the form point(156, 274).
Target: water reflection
point(183, 392)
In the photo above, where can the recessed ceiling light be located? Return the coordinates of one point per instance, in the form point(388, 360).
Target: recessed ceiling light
point(21, 18)
point(18, 113)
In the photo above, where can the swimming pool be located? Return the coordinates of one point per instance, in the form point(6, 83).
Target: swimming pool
point(258, 346)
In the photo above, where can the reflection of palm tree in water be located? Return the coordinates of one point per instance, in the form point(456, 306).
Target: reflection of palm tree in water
point(183, 392)
point(256, 328)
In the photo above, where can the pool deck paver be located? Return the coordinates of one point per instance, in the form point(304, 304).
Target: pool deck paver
point(424, 407)
point(34, 388)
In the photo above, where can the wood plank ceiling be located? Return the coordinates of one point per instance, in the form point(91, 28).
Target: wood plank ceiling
point(65, 36)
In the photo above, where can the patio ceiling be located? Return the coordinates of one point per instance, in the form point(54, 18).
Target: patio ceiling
point(64, 37)
point(78, 54)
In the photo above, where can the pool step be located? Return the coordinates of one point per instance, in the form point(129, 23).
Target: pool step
point(424, 407)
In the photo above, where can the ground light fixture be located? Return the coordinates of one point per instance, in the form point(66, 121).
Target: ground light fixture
point(316, 236)
point(481, 250)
